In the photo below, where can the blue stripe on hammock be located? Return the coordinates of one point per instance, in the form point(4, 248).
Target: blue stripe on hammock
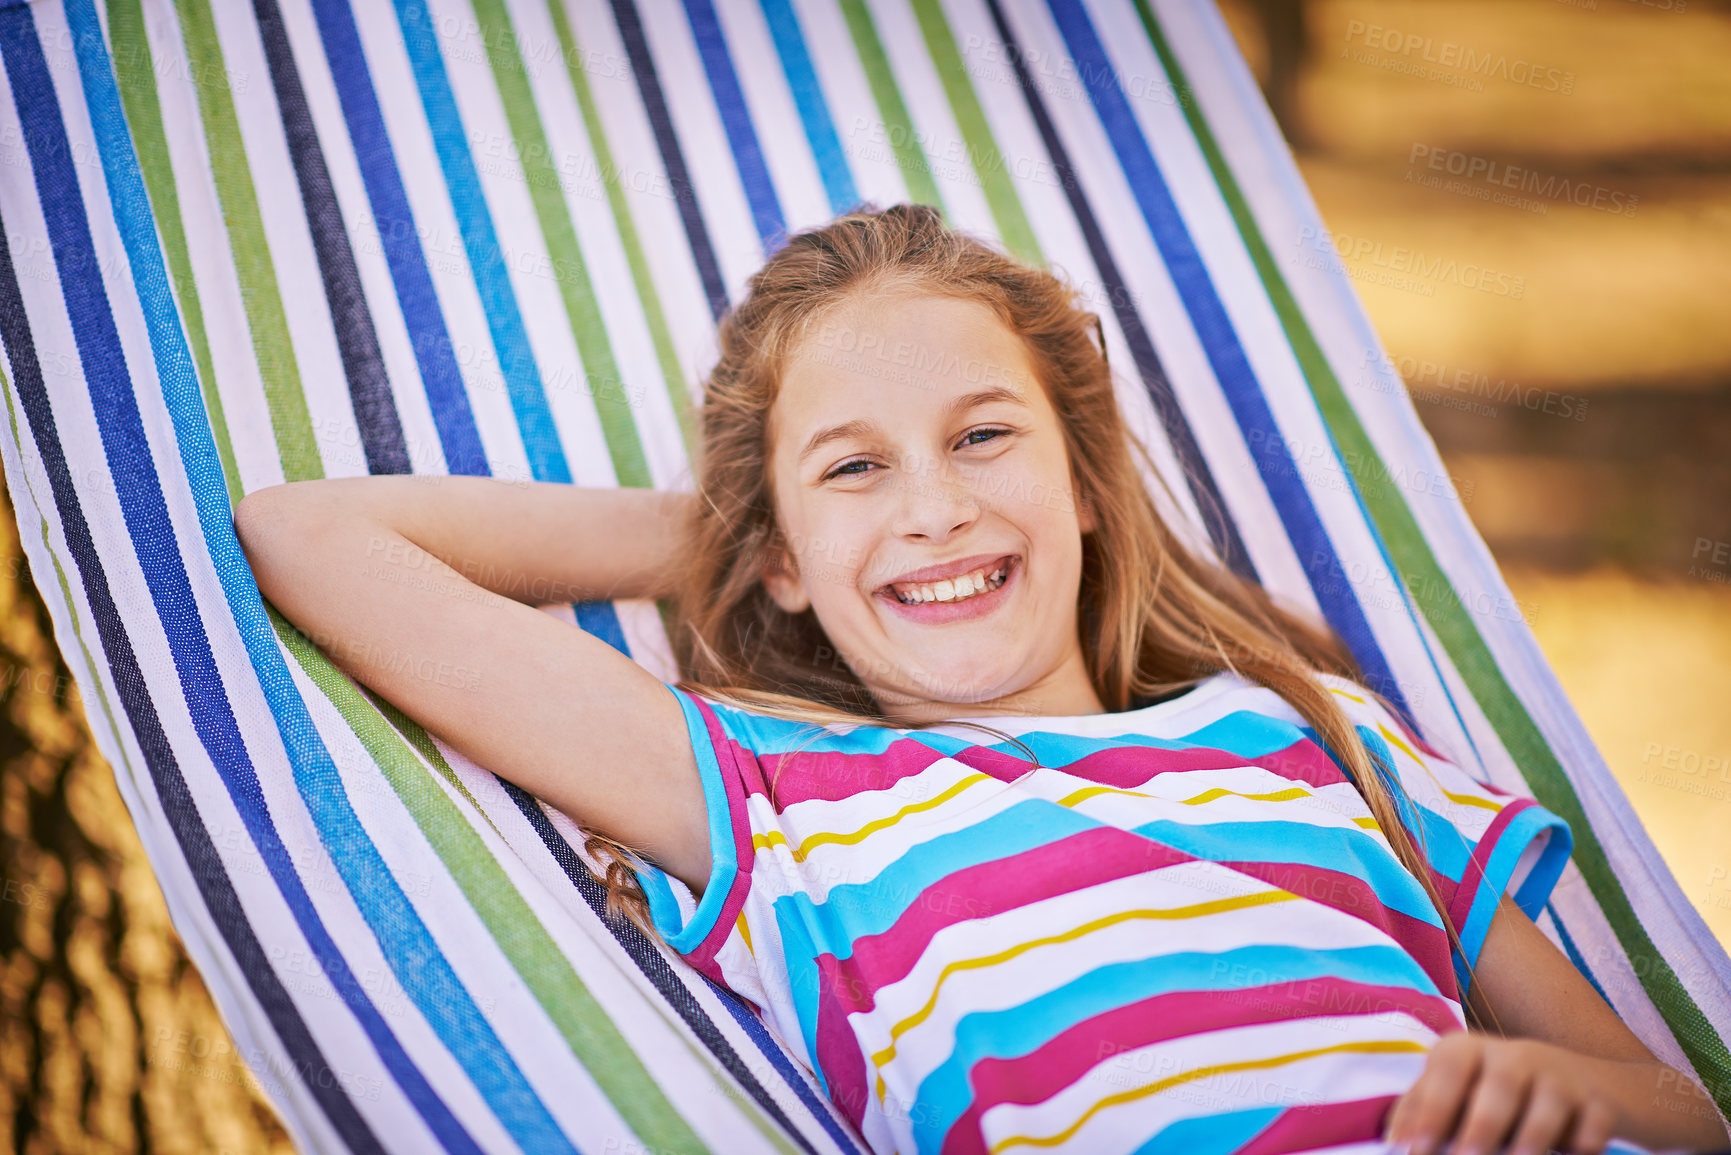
point(766, 211)
point(1412, 616)
point(1574, 953)
point(381, 429)
point(146, 514)
point(1216, 517)
point(602, 620)
point(814, 112)
point(427, 977)
point(672, 158)
point(435, 357)
point(481, 245)
point(1226, 356)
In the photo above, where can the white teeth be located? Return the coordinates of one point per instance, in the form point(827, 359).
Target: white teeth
point(953, 589)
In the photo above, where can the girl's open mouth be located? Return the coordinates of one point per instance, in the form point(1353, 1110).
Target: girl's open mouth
point(954, 601)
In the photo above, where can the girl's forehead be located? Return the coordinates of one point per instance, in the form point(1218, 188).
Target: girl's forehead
point(905, 348)
point(911, 309)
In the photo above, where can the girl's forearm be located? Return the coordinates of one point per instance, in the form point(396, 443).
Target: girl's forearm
point(535, 542)
point(1662, 1108)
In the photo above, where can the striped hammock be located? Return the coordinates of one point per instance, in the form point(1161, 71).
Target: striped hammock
point(249, 243)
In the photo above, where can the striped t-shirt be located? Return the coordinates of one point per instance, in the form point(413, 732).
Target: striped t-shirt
point(1183, 932)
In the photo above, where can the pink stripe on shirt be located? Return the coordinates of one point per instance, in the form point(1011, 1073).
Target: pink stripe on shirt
point(1062, 1060)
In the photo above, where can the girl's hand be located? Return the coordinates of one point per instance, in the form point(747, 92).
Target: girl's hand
point(1481, 1092)
point(1562, 1070)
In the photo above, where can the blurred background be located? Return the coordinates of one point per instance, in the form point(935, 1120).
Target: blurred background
point(1590, 419)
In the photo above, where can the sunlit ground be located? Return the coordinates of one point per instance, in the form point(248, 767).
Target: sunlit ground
point(1645, 665)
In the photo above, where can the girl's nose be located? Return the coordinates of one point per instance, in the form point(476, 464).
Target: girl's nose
point(936, 500)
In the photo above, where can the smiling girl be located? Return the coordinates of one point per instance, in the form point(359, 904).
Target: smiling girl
point(1023, 824)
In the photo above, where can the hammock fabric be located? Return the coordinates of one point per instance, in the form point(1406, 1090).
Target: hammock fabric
point(244, 244)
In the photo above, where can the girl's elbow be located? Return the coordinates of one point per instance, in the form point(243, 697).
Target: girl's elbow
point(273, 511)
point(280, 527)
point(256, 517)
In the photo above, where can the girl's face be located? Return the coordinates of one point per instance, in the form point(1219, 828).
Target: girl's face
point(910, 434)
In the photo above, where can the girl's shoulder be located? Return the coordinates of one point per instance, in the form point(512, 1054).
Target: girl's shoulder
point(759, 730)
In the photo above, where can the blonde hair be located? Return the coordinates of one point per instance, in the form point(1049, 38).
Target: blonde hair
point(1154, 617)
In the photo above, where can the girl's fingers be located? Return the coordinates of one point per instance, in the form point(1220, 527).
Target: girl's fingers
point(1546, 1122)
point(1499, 1095)
point(1593, 1126)
point(1426, 1113)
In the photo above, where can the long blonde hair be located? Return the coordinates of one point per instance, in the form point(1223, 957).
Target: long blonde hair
point(1154, 617)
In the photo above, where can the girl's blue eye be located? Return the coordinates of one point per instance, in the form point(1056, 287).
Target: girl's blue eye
point(842, 469)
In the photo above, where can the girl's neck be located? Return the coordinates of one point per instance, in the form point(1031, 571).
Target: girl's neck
point(1066, 692)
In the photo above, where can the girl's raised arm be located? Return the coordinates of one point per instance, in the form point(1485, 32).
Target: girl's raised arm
point(535, 542)
point(422, 589)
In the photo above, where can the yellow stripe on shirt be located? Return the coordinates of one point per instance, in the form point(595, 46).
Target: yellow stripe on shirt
point(1378, 1046)
point(1175, 913)
point(1285, 795)
point(853, 837)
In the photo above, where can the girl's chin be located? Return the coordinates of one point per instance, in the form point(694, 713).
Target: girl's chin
point(926, 682)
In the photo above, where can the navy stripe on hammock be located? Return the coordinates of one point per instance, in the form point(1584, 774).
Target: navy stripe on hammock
point(672, 157)
point(655, 968)
point(434, 354)
point(381, 429)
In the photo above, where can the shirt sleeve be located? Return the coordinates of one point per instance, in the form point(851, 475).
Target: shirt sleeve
point(696, 927)
point(1480, 842)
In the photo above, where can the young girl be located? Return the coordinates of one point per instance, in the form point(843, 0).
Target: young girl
point(1022, 824)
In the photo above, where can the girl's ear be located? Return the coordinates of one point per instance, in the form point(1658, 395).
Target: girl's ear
point(783, 583)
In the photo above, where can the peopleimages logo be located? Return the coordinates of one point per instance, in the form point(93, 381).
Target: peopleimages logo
point(1467, 389)
point(1477, 66)
point(1398, 259)
point(1483, 171)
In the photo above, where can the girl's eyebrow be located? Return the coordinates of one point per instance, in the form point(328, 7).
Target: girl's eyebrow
point(860, 426)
